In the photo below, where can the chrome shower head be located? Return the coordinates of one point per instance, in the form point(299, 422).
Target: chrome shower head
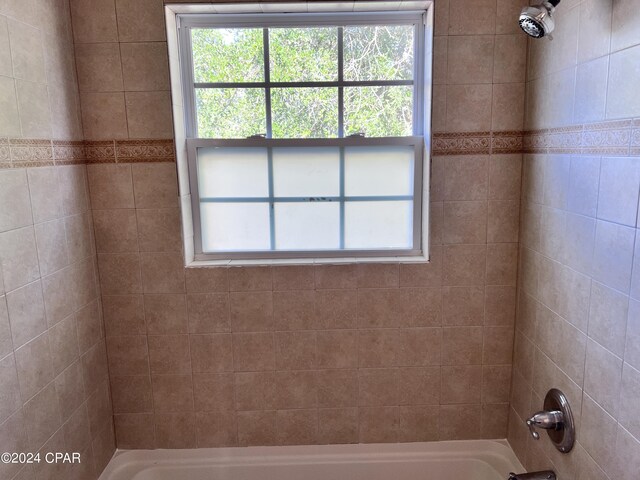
point(537, 22)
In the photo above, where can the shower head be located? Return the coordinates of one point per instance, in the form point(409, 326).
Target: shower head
point(538, 21)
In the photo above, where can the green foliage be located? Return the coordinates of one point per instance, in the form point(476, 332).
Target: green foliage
point(304, 54)
point(227, 54)
point(378, 111)
point(304, 112)
point(378, 52)
point(230, 112)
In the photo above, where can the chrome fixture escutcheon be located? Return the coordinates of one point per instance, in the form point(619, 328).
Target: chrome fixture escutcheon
point(556, 419)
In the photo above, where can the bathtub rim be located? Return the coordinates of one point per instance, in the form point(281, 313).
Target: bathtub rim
point(497, 453)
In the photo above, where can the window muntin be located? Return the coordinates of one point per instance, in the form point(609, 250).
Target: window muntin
point(337, 196)
point(307, 211)
point(305, 80)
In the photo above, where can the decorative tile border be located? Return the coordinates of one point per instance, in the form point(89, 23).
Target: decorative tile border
point(477, 143)
point(463, 143)
point(100, 151)
point(5, 153)
point(618, 137)
point(506, 142)
point(27, 153)
point(69, 152)
point(137, 151)
point(130, 151)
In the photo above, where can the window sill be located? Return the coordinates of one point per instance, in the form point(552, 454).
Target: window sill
point(306, 261)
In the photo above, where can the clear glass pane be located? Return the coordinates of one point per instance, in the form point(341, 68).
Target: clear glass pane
point(304, 112)
point(379, 111)
point(306, 171)
point(230, 112)
point(307, 226)
point(380, 52)
point(378, 170)
point(378, 225)
point(303, 54)
point(233, 172)
point(227, 54)
point(235, 226)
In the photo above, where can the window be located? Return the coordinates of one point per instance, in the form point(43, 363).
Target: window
point(305, 133)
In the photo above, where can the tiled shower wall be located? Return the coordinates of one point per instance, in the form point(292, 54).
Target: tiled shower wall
point(54, 386)
point(305, 354)
point(578, 325)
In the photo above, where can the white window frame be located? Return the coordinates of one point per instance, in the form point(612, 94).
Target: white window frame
point(181, 18)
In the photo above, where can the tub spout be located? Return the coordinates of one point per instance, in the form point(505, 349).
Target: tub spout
point(543, 475)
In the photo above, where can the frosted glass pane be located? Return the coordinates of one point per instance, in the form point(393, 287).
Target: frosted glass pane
point(307, 226)
point(233, 172)
point(379, 170)
point(235, 226)
point(306, 172)
point(378, 225)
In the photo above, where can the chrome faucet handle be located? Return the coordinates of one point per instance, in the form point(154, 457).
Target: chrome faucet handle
point(532, 429)
point(557, 420)
point(552, 420)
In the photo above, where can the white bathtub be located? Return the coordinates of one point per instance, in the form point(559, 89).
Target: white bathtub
point(459, 460)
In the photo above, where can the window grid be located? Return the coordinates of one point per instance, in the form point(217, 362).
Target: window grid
point(267, 85)
point(421, 68)
point(272, 199)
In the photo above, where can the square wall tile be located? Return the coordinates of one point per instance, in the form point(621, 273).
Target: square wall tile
point(618, 193)
point(470, 57)
point(475, 17)
point(46, 196)
point(120, 273)
point(608, 318)
point(613, 254)
point(99, 68)
point(149, 114)
point(6, 68)
point(140, 20)
point(35, 114)
point(33, 362)
point(110, 186)
point(14, 194)
point(510, 58)
point(624, 32)
point(19, 258)
point(26, 52)
point(135, 430)
point(10, 120)
point(155, 185)
point(508, 104)
point(94, 21)
point(624, 73)
point(104, 116)
point(175, 430)
point(26, 313)
point(469, 108)
point(145, 66)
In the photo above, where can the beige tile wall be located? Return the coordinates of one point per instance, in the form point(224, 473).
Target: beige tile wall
point(308, 354)
point(54, 386)
point(578, 318)
point(324, 354)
